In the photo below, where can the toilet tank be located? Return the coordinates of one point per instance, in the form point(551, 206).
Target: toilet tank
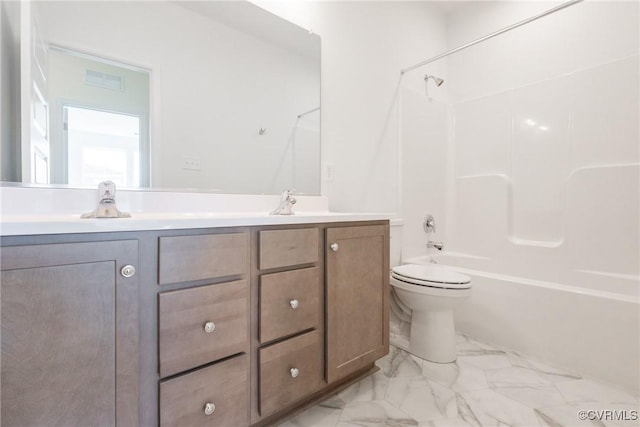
point(395, 247)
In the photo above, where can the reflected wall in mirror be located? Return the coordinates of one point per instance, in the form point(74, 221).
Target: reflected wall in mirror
point(215, 96)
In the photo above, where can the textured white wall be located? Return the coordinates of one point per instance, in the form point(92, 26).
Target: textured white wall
point(364, 46)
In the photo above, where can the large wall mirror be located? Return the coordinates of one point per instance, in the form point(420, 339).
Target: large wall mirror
point(204, 95)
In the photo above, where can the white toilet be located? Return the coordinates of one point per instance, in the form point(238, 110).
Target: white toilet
point(431, 292)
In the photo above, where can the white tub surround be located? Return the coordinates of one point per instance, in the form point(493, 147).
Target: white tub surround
point(532, 173)
point(34, 210)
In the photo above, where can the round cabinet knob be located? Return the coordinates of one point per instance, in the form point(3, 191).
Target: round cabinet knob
point(209, 408)
point(209, 327)
point(294, 372)
point(294, 303)
point(128, 271)
point(334, 247)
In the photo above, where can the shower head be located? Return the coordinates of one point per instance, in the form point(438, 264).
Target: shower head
point(437, 80)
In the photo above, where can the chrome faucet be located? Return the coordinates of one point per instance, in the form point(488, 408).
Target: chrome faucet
point(107, 203)
point(429, 224)
point(285, 207)
point(437, 245)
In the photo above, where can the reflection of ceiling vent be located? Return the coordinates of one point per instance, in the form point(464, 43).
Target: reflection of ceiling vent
point(104, 80)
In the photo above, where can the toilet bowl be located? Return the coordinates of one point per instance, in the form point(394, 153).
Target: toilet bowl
point(432, 292)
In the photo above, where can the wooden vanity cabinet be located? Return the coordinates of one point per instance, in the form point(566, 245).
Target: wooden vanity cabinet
point(201, 325)
point(213, 396)
point(357, 286)
point(290, 302)
point(221, 327)
point(203, 329)
point(338, 276)
point(290, 370)
point(287, 317)
point(69, 321)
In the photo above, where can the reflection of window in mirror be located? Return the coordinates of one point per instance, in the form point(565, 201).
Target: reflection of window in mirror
point(99, 121)
point(102, 144)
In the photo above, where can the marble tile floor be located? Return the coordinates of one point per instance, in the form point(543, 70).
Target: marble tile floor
point(484, 387)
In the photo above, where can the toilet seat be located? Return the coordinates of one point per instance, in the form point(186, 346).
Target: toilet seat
point(433, 276)
point(432, 293)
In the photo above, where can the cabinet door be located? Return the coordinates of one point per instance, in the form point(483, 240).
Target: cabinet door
point(69, 321)
point(357, 264)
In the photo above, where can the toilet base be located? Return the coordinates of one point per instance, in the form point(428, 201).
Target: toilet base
point(433, 336)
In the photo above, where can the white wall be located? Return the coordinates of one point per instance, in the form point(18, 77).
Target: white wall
point(425, 134)
point(209, 91)
point(364, 46)
point(9, 90)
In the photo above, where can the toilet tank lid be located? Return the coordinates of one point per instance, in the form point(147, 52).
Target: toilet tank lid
point(431, 273)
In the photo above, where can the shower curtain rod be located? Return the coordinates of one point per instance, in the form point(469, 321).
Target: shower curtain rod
point(308, 112)
point(488, 36)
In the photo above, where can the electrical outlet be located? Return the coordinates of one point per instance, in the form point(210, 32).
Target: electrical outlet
point(191, 163)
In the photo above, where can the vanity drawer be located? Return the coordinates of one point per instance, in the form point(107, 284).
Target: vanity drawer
point(290, 302)
point(225, 385)
point(284, 248)
point(185, 341)
point(280, 385)
point(187, 258)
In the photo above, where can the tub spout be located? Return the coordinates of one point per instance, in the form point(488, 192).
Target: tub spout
point(437, 245)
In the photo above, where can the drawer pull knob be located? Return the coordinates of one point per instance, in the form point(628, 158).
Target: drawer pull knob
point(209, 408)
point(209, 327)
point(294, 372)
point(294, 303)
point(334, 247)
point(128, 271)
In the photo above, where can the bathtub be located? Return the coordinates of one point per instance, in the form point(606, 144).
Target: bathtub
point(580, 328)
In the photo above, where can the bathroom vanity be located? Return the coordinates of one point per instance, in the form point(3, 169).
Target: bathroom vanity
point(208, 326)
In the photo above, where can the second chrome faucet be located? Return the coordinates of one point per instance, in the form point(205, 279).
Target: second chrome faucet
point(285, 207)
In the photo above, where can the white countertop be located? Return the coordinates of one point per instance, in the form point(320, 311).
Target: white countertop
point(19, 225)
point(32, 211)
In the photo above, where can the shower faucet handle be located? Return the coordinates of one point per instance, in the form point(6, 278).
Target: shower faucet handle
point(429, 224)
